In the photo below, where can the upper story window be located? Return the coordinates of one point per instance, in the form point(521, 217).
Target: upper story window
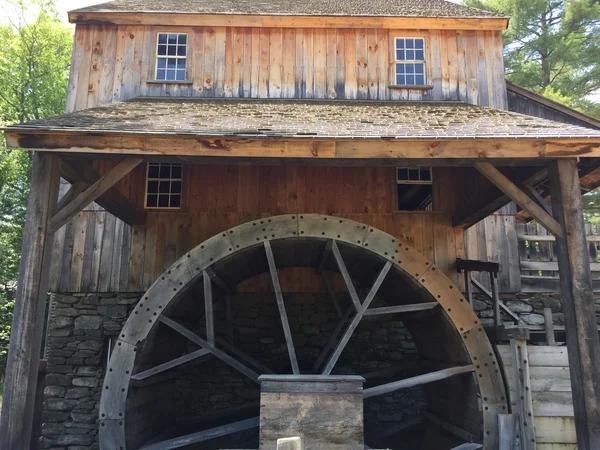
point(171, 56)
point(164, 186)
point(415, 190)
point(410, 62)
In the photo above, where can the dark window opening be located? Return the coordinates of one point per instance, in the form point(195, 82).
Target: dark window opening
point(164, 186)
point(415, 190)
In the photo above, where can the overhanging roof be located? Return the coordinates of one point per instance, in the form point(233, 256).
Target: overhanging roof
point(392, 129)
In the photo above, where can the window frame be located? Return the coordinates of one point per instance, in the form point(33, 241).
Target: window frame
point(431, 208)
point(397, 61)
point(147, 179)
point(152, 65)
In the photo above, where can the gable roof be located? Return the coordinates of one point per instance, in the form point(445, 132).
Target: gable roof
point(368, 8)
point(290, 119)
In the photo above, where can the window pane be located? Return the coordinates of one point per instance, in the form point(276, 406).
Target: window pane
point(402, 174)
point(181, 50)
point(172, 50)
point(153, 171)
point(413, 174)
point(165, 187)
point(400, 79)
point(420, 80)
point(176, 171)
point(410, 80)
point(410, 69)
point(419, 43)
point(162, 63)
point(175, 201)
point(181, 64)
point(161, 75)
point(152, 201)
point(182, 39)
point(152, 187)
point(410, 43)
point(163, 201)
point(170, 75)
point(419, 54)
point(181, 75)
point(162, 38)
point(172, 39)
point(176, 187)
point(171, 63)
point(426, 174)
point(162, 50)
point(419, 68)
point(400, 68)
point(399, 43)
point(165, 171)
point(410, 55)
point(400, 55)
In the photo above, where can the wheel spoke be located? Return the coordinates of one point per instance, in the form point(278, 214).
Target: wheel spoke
point(208, 308)
point(401, 309)
point(345, 275)
point(170, 365)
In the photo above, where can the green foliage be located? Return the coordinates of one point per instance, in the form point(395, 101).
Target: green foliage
point(552, 47)
point(34, 68)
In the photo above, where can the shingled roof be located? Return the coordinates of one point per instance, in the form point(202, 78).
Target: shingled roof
point(371, 8)
point(306, 119)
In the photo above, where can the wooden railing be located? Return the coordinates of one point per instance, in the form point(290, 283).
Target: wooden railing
point(538, 260)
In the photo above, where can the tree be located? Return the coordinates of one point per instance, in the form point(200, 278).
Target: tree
point(552, 47)
point(34, 68)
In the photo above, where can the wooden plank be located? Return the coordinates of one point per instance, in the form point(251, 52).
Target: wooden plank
point(550, 238)
point(417, 381)
point(477, 266)
point(20, 383)
point(555, 430)
point(508, 432)
point(93, 192)
point(578, 302)
point(549, 326)
point(281, 306)
point(540, 355)
point(401, 309)
point(346, 276)
point(169, 365)
point(208, 308)
point(215, 351)
point(522, 388)
point(205, 435)
point(518, 196)
point(358, 317)
point(551, 266)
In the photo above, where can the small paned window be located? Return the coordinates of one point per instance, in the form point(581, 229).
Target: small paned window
point(410, 62)
point(415, 190)
point(171, 57)
point(164, 186)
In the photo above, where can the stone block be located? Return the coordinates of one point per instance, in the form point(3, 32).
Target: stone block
point(90, 345)
point(66, 312)
point(54, 416)
point(91, 300)
point(77, 393)
point(53, 404)
point(71, 439)
point(88, 322)
point(54, 391)
point(533, 319)
point(85, 382)
point(61, 322)
point(84, 418)
point(519, 307)
point(66, 299)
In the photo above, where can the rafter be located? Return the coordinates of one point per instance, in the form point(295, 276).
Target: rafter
point(281, 305)
point(358, 317)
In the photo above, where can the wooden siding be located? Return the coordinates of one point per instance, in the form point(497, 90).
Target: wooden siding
point(95, 252)
point(112, 63)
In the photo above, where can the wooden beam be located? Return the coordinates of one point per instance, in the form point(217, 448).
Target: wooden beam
point(332, 340)
point(208, 308)
point(281, 305)
point(332, 294)
point(169, 365)
point(477, 266)
point(345, 275)
point(112, 200)
point(93, 192)
point(357, 318)
point(400, 309)
point(287, 21)
point(20, 383)
point(550, 238)
point(523, 395)
point(551, 266)
point(578, 303)
point(536, 197)
point(203, 436)
point(73, 192)
point(508, 432)
point(219, 282)
point(519, 197)
point(490, 295)
point(549, 327)
point(177, 144)
point(417, 381)
point(215, 351)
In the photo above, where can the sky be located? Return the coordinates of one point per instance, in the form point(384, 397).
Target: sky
point(67, 5)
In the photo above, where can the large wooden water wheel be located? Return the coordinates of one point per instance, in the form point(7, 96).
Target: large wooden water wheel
point(467, 387)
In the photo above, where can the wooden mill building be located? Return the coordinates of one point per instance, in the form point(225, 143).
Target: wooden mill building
point(266, 204)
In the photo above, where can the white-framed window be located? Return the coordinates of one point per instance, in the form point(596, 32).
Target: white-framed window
point(171, 56)
point(164, 186)
point(415, 188)
point(410, 62)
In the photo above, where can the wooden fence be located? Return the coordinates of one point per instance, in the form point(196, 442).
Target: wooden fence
point(538, 261)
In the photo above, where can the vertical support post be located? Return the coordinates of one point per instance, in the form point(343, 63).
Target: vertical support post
point(18, 405)
point(496, 298)
point(208, 308)
point(549, 327)
point(523, 399)
point(583, 343)
point(469, 287)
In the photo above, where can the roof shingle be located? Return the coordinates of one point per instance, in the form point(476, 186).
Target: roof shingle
point(371, 8)
point(307, 119)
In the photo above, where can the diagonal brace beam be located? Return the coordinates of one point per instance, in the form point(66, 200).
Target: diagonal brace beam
point(518, 196)
point(357, 318)
point(93, 192)
point(281, 305)
point(170, 365)
point(345, 275)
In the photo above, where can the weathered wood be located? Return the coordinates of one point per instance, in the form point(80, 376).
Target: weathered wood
point(477, 266)
point(332, 294)
point(518, 196)
point(345, 275)
point(508, 431)
point(208, 308)
point(489, 295)
point(281, 306)
point(550, 238)
point(112, 200)
point(496, 299)
point(205, 435)
point(359, 314)
point(548, 266)
point(16, 419)
point(535, 196)
point(219, 282)
point(215, 351)
point(332, 340)
point(417, 381)
point(93, 192)
point(549, 326)
point(293, 443)
point(170, 365)
point(401, 309)
point(522, 388)
point(578, 302)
